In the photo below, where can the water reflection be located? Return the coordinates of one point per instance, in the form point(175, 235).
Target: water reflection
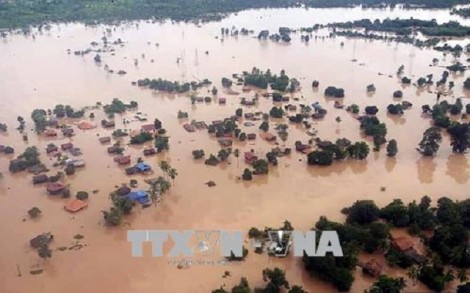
point(457, 168)
point(426, 168)
point(390, 164)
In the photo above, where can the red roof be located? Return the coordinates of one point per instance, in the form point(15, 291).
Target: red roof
point(67, 146)
point(402, 243)
point(250, 157)
point(75, 205)
point(124, 160)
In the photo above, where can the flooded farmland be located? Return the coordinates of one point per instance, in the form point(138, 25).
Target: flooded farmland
point(42, 71)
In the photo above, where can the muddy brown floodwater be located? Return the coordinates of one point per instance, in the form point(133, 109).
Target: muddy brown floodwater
point(38, 73)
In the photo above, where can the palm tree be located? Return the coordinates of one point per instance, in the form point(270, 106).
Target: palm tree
point(172, 173)
point(236, 153)
point(413, 273)
point(165, 167)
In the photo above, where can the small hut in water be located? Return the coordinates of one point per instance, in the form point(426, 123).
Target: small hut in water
point(38, 179)
point(55, 188)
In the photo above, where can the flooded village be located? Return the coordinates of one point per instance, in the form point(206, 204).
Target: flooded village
point(279, 118)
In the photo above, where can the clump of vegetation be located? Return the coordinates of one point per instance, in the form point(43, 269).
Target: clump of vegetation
point(430, 143)
point(30, 157)
point(82, 195)
point(171, 86)
point(262, 80)
point(118, 107)
point(332, 91)
point(354, 108)
point(182, 115)
point(392, 148)
point(198, 154)
point(247, 175)
point(34, 212)
point(141, 138)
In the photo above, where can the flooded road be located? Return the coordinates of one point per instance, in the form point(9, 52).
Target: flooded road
point(39, 73)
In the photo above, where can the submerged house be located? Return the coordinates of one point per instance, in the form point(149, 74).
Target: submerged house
point(372, 268)
point(225, 142)
point(51, 148)
point(55, 188)
point(113, 149)
point(148, 128)
point(105, 139)
point(140, 196)
point(67, 146)
point(108, 123)
point(250, 158)
point(123, 190)
point(189, 127)
point(149, 152)
point(143, 167)
point(68, 132)
point(269, 136)
point(42, 178)
point(123, 160)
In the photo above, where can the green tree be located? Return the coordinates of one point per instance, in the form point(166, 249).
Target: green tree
point(387, 284)
point(322, 158)
point(247, 175)
point(261, 166)
point(392, 148)
point(429, 145)
point(459, 136)
point(34, 212)
point(162, 143)
point(276, 279)
point(363, 212)
point(264, 126)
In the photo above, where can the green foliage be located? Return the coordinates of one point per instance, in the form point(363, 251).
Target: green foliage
point(395, 109)
point(322, 158)
point(28, 158)
point(264, 126)
point(82, 195)
point(113, 217)
point(34, 212)
point(212, 160)
point(354, 108)
point(459, 136)
point(358, 150)
point(363, 212)
point(332, 91)
point(276, 279)
point(387, 284)
point(141, 138)
point(22, 13)
point(118, 107)
point(371, 110)
point(396, 213)
point(276, 112)
point(261, 167)
point(198, 154)
point(182, 115)
point(223, 154)
point(262, 79)
point(434, 277)
point(247, 175)
point(123, 204)
point(429, 145)
point(162, 143)
point(392, 148)
point(226, 82)
point(39, 117)
point(398, 94)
